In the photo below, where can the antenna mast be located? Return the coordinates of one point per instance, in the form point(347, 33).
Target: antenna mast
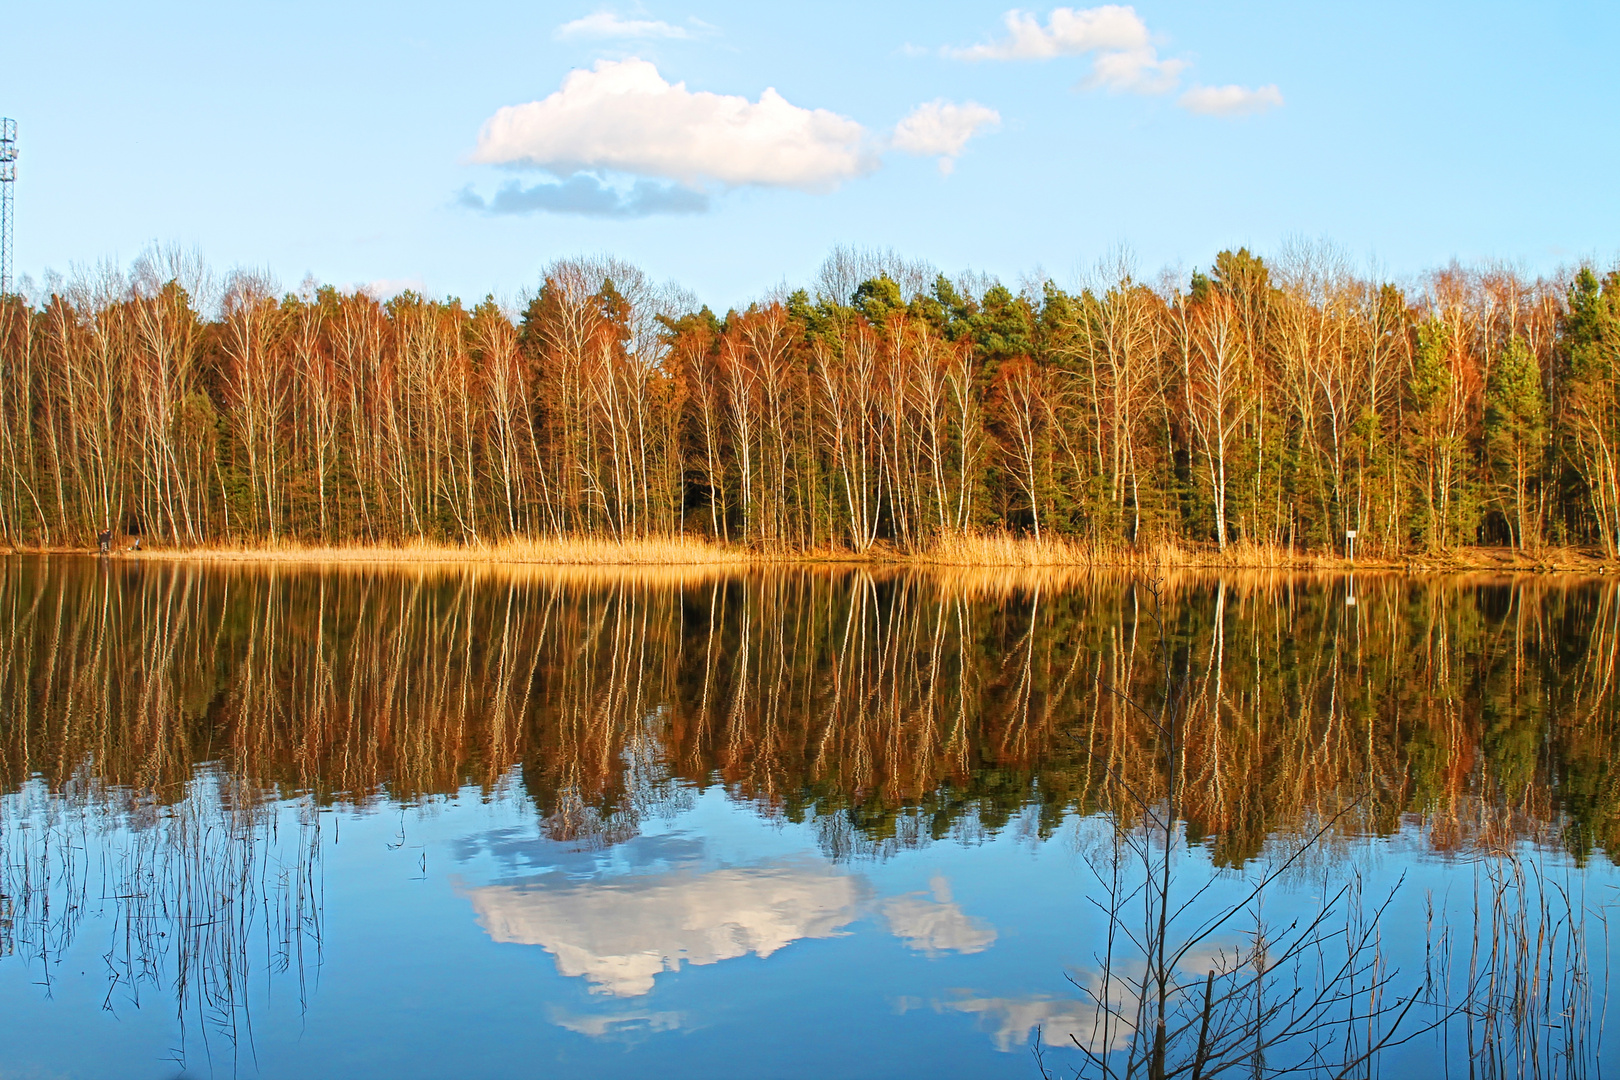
point(8, 180)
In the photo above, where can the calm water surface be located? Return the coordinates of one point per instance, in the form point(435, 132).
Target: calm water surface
point(810, 823)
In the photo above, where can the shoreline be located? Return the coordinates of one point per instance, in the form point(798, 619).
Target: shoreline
point(982, 552)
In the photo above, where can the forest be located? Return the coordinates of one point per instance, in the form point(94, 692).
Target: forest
point(1268, 403)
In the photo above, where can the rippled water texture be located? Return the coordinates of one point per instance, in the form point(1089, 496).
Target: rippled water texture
point(809, 823)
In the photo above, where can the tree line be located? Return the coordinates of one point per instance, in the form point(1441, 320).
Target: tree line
point(1274, 404)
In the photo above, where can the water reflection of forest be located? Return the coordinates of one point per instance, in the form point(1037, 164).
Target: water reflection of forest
point(890, 706)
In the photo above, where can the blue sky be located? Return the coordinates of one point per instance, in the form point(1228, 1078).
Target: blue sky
point(344, 141)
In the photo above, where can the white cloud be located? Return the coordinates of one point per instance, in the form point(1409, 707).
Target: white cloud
point(1137, 71)
point(387, 288)
point(1114, 34)
point(1230, 100)
point(1123, 56)
point(605, 24)
point(942, 128)
point(620, 932)
point(1068, 32)
point(623, 116)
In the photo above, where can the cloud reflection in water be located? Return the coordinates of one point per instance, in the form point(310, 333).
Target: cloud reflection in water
point(1012, 1020)
point(624, 1026)
point(620, 932)
point(936, 926)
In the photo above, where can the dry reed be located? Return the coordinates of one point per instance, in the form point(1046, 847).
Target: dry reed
point(577, 551)
point(994, 549)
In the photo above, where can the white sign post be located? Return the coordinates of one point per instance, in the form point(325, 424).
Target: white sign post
point(1350, 548)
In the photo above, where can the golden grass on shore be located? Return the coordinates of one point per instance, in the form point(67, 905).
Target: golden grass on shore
point(990, 550)
point(987, 550)
point(664, 551)
point(1006, 549)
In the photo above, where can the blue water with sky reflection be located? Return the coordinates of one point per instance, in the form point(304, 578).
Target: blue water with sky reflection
point(457, 940)
point(717, 942)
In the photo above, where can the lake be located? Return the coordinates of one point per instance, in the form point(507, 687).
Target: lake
point(288, 821)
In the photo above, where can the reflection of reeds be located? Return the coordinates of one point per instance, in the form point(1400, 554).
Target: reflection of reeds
point(1176, 992)
point(1529, 987)
point(200, 893)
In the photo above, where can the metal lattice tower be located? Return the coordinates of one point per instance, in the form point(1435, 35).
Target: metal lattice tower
point(8, 180)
